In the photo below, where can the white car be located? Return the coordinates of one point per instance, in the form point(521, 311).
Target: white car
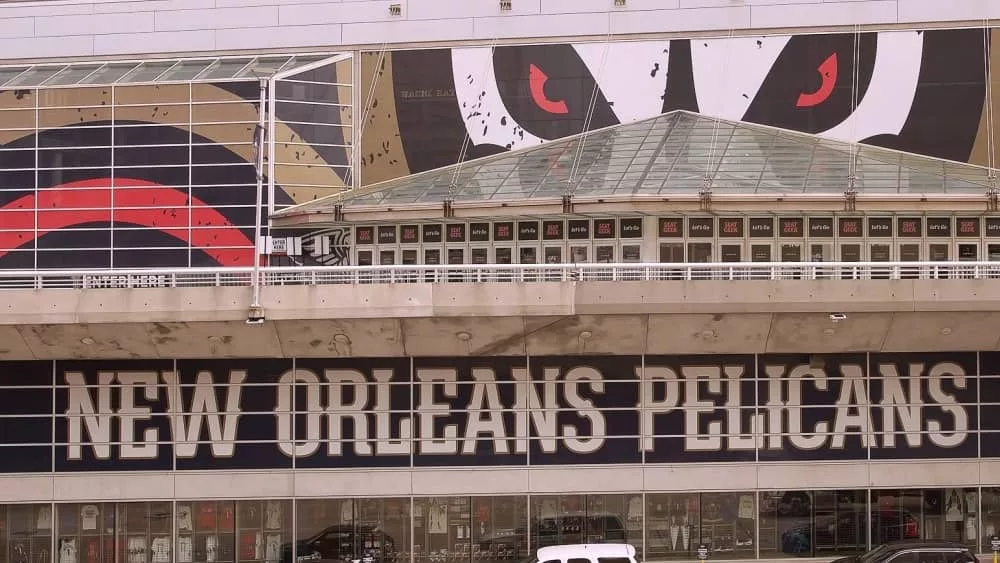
point(586, 553)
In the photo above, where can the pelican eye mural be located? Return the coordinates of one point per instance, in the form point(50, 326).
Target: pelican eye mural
point(915, 91)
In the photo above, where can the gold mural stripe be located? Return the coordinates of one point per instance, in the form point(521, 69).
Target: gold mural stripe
point(381, 143)
point(168, 105)
point(980, 150)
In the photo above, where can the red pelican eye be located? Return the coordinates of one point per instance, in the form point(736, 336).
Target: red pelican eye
point(828, 72)
point(537, 80)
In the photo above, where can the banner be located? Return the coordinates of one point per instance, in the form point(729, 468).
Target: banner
point(493, 411)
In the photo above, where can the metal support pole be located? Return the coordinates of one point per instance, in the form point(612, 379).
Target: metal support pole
point(259, 209)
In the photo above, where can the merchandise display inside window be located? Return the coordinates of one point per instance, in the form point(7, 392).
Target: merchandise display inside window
point(499, 527)
point(678, 523)
point(990, 515)
point(944, 514)
point(442, 529)
point(369, 530)
point(27, 532)
point(561, 519)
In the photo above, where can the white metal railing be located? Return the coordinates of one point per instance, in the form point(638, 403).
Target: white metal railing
point(494, 273)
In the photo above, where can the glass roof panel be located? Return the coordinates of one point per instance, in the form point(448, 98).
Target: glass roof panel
point(7, 73)
point(147, 72)
point(33, 76)
point(156, 70)
point(672, 153)
point(72, 74)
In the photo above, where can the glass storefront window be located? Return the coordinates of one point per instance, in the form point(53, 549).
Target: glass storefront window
point(263, 530)
point(678, 523)
point(499, 529)
point(370, 530)
point(29, 532)
point(945, 514)
point(442, 529)
point(812, 523)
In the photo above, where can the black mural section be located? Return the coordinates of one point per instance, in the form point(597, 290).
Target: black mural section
point(713, 398)
point(548, 90)
point(395, 374)
point(588, 388)
point(136, 392)
point(481, 383)
point(802, 398)
point(680, 91)
point(495, 411)
point(989, 411)
point(949, 100)
point(430, 121)
point(930, 390)
point(809, 87)
point(26, 407)
point(255, 384)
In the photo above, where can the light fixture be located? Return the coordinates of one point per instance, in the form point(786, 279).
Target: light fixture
point(946, 331)
point(709, 334)
point(506, 5)
point(463, 336)
point(395, 10)
point(828, 331)
point(619, 3)
point(837, 317)
point(586, 334)
point(88, 341)
point(214, 339)
point(341, 338)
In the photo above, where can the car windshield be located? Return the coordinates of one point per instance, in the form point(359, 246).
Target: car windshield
point(874, 554)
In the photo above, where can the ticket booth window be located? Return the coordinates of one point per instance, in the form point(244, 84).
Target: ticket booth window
point(701, 233)
point(630, 238)
point(731, 235)
point(503, 242)
point(605, 231)
point(553, 241)
point(527, 242)
point(968, 233)
point(579, 234)
point(908, 229)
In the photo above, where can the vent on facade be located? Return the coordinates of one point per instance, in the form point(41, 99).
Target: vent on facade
point(619, 3)
point(506, 5)
point(395, 9)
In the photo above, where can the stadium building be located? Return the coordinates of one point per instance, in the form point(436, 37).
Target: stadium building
point(424, 282)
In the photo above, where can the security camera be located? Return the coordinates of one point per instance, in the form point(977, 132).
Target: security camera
point(837, 317)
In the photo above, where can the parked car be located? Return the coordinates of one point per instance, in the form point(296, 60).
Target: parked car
point(343, 543)
point(593, 552)
point(914, 551)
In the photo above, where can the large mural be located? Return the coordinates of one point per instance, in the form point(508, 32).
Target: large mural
point(163, 175)
point(158, 175)
point(915, 91)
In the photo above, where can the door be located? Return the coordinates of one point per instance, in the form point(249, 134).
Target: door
point(909, 252)
point(552, 254)
point(967, 252)
point(700, 253)
point(939, 252)
point(672, 253)
point(850, 252)
point(821, 252)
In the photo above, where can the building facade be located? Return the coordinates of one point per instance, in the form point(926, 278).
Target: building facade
point(732, 143)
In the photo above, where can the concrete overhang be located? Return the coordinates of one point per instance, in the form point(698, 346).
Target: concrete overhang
point(456, 319)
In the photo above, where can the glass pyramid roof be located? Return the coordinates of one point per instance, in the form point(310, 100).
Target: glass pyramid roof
point(153, 71)
point(670, 154)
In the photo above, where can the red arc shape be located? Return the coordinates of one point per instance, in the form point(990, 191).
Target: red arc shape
point(537, 80)
point(133, 201)
point(828, 73)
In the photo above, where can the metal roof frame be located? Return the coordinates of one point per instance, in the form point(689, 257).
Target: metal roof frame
point(164, 71)
point(663, 148)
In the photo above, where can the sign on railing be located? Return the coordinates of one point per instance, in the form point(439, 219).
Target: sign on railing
point(496, 273)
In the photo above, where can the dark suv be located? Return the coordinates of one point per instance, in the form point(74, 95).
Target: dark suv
point(342, 543)
point(914, 551)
